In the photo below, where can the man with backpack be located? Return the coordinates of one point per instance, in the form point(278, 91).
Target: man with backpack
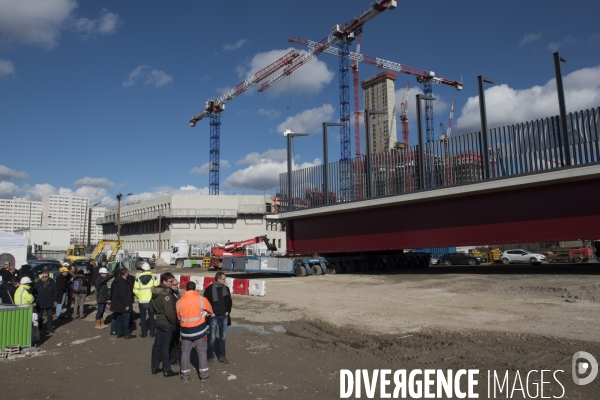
point(78, 287)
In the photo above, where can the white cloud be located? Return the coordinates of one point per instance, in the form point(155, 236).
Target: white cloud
point(309, 79)
point(194, 188)
point(12, 175)
point(7, 68)
point(530, 38)
point(94, 182)
point(106, 24)
point(148, 76)
point(271, 114)
point(8, 190)
point(34, 22)
point(263, 170)
point(309, 121)
point(555, 46)
point(236, 45)
point(506, 105)
point(36, 192)
point(205, 168)
point(41, 22)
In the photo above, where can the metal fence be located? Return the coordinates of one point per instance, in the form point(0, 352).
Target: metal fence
point(518, 149)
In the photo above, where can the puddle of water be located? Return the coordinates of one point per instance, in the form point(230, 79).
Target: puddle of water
point(260, 329)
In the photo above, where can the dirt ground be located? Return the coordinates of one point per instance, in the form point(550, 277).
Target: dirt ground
point(293, 342)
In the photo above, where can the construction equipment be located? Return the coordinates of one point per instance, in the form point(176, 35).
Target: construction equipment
point(78, 252)
point(342, 36)
point(236, 249)
point(427, 78)
point(74, 253)
point(213, 109)
point(116, 246)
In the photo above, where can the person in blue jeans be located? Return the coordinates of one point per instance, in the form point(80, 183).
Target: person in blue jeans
point(219, 296)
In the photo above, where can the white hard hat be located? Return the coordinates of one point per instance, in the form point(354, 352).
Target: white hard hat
point(146, 267)
point(103, 271)
point(66, 264)
point(25, 280)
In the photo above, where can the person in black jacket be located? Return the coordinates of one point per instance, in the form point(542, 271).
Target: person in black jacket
point(121, 303)
point(8, 272)
point(8, 289)
point(45, 297)
point(219, 296)
point(102, 296)
point(62, 283)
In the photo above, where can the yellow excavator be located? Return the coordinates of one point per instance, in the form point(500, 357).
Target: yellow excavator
point(78, 252)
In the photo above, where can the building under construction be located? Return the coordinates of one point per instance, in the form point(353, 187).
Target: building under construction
point(156, 223)
point(380, 94)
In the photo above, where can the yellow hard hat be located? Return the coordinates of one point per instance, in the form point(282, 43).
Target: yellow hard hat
point(63, 269)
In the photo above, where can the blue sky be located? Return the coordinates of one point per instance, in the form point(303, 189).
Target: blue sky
point(95, 96)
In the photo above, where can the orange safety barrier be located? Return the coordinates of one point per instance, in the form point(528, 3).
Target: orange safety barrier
point(241, 286)
point(207, 282)
point(183, 281)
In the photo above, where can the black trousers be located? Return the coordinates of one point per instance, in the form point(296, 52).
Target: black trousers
point(175, 347)
point(160, 348)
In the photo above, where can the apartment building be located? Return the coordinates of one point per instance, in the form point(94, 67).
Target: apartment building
point(19, 213)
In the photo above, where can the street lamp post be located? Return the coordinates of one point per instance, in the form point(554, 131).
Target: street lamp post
point(119, 197)
point(368, 149)
point(326, 159)
point(484, 129)
point(562, 107)
point(290, 135)
point(420, 157)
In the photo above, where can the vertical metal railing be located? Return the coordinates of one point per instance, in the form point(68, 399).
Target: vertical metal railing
point(517, 149)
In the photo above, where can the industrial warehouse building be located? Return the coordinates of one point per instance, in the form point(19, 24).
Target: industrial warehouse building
point(155, 224)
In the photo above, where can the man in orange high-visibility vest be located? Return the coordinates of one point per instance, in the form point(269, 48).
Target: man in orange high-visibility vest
point(192, 310)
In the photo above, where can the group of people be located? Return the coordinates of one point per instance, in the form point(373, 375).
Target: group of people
point(190, 318)
point(175, 321)
point(49, 295)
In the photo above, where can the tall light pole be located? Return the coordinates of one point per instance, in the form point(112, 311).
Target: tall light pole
point(290, 135)
point(484, 129)
point(562, 107)
point(326, 160)
point(368, 149)
point(420, 157)
point(119, 197)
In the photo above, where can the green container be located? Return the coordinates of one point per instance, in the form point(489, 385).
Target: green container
point(15, 325)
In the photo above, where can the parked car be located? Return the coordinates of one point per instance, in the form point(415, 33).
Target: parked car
point(37, 265)
point(141, 260)
point(82, 264)
point(459, 259)
point(521, 256)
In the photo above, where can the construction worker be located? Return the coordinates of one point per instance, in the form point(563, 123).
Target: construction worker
point(142, 289)
point(23, 296)
point(192, 310)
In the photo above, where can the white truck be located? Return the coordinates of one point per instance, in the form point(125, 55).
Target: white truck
point(183, 250)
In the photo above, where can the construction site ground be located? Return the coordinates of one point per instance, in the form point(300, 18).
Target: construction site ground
point(293, 342)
